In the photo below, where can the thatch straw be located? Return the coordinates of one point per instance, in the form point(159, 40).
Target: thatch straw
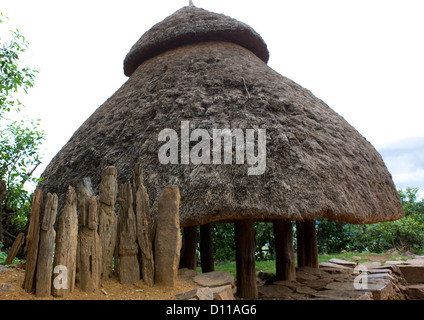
point(317, 164)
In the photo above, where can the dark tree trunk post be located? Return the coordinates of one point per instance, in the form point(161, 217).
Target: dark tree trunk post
point(188, 253)
point(245, 259)
point(206, 249)
point(307, 249)
point(311, 248)
point(300, 240)
point(284, 253)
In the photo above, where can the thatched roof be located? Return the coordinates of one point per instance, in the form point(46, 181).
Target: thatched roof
point(317, 165)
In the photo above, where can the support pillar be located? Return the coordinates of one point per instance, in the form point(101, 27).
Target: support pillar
point(245, 259)
point(307, 248)
point(284, 253)
point(188, 252)
point(206, 249)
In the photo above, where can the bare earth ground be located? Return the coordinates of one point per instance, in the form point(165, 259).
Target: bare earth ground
point(110, 290)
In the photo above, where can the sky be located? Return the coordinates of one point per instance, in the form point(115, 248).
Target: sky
point(363, 58)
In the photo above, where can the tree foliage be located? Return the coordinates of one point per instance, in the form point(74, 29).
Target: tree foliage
point(20, 139)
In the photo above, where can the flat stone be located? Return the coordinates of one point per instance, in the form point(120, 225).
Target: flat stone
point(306, 290)
point(2, 269)
point(223, 293)
point(289, 284)
point(214, 279)
point(319, 284)
point(274, 292)
point(412, 274)
point(415, 262)
point(415, 291)
point(332, 265)
point(196, 294)
point(343, 262)
point(345, 295)
point(344, 286)
point(395, 262)
point(5, 289)
point(185, 272)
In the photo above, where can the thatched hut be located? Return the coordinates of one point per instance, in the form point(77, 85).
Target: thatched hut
point(201, 70)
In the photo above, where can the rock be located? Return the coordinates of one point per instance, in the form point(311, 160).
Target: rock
point(2, 269)
point(289, 284)
point(332, 265)
point(319, 284)
point(186, 272)
point(415, 291)
point(415, 262)
point(395, 262)
point(196, 294)
point(274, 292)
point(5, 289)
point(214, 279)
point(223, 293)
point(356, 258)
point(168, 238)
point(343, 262)
point(412, 274)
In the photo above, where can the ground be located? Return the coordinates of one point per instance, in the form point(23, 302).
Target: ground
point(113, 290)
point(110, 290)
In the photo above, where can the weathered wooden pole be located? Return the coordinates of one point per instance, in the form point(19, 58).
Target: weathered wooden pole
point(129, 268)
point(307, 249)
point(245, 259)
point(89, 251)
point(32, 239)
point(108, 221)
point(206, 249)
point(188, 257)
point(168, 238)
point(144, 226)
point(64, 266)
point(17, 244)
point(46, 247)
point(284, 253)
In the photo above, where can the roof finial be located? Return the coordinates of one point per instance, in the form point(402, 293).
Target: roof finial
point(190, 3)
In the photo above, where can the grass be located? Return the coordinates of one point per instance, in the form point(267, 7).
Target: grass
point(269, 266)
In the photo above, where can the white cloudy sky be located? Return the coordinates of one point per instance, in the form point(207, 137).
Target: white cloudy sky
point(364, 58)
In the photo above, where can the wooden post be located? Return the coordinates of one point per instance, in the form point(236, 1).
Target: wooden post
point(46, 247)
point(300, 240)
point(15, 248)
point(284, 253)
point(168, 238)
point(129, 268)
point(32, 239)
point(206, 249)
point(307, 249)
point(188, 257)
point(89, 251)
point(108, 221)
point(245, 259)
point(144, 226)
point(64, 266)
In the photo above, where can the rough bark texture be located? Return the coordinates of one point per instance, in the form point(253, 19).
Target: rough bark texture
point(307, 248)
point(129, 268)
point(168, 238)
point(89, 253)
point(206, 248)
point(46, 248)
point(15, 248)
point(108, 221)
point(32, 239)
point(144, 227)
point(317, 164)
point(285, 258)
point(188, 258)
point(245, 238)
point(66, 245)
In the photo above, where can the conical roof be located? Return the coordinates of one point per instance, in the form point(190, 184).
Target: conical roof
point(317, 165)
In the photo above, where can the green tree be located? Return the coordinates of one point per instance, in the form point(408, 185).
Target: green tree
point(20, 140)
